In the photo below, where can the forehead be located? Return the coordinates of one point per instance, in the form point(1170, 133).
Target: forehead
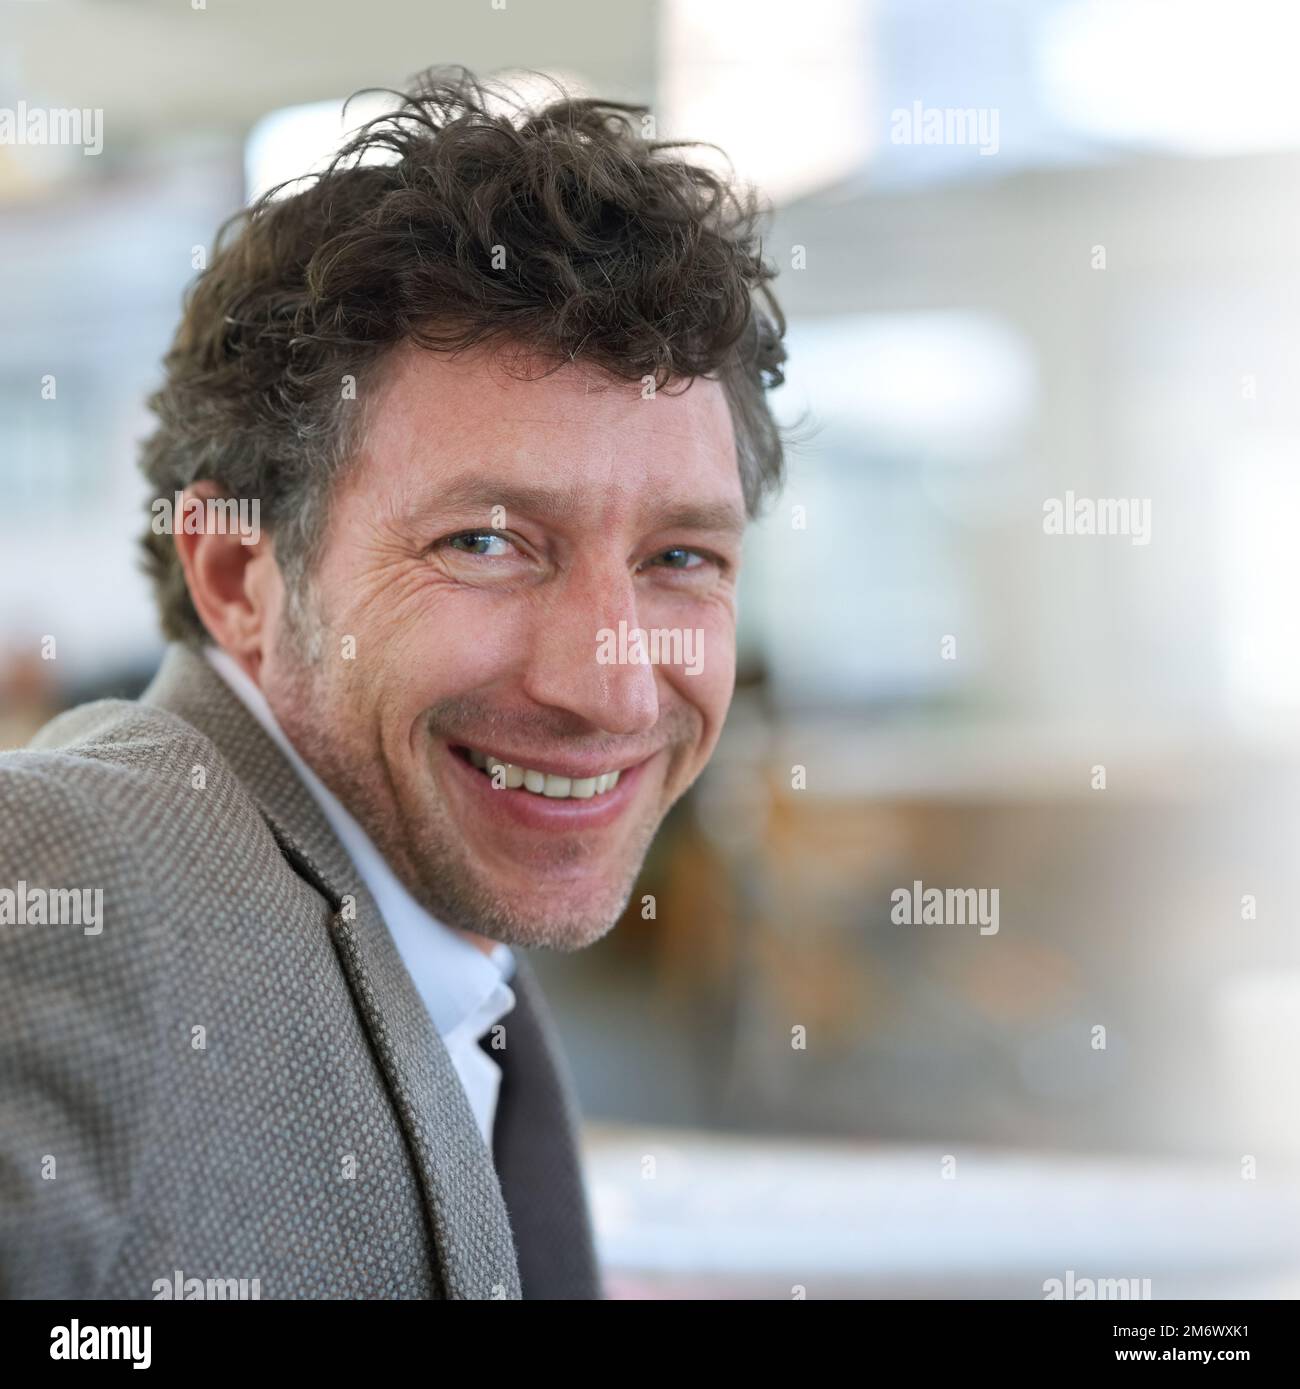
point(442, 427)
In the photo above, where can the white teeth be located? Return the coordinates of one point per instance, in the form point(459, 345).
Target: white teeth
point(542, 783)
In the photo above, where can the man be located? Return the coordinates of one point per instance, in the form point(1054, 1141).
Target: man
point(492, 388)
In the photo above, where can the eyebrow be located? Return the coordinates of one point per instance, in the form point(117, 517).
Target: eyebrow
point(705, 516)
point(555, 503)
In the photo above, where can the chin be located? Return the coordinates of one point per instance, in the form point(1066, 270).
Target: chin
point(566, 929)
point(565, 909)
point(570, 936)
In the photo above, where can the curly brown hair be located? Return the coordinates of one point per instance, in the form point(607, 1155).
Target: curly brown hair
point(448, 223)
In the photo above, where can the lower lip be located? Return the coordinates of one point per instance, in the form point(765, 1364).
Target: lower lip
point(536, 812)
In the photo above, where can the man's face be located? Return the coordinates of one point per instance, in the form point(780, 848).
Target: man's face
point(493, 553)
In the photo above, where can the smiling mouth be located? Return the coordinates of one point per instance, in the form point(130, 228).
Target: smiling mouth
point(557, 788)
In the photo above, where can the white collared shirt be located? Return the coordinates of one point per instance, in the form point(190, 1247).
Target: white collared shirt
point(464, 990)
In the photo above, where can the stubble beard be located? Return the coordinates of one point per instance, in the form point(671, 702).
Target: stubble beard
point(420, 843)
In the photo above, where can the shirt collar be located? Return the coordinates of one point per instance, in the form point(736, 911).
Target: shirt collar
point(463, 988)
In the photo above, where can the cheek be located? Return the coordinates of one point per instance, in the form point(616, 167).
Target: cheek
point(709, 690)
point(447, 644)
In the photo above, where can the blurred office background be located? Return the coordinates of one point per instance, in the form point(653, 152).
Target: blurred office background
point(1091, 287)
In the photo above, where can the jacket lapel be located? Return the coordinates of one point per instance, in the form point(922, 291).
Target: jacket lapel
point(461, 1193)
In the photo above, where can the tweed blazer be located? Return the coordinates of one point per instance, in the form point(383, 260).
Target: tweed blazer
point(234, 1078)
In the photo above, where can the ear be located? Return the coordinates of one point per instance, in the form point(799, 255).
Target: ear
point(230, 570)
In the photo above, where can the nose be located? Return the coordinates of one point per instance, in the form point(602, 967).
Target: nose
point(563, 671)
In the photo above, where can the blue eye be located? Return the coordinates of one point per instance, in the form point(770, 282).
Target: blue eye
point(680, 559)
point(480, 543)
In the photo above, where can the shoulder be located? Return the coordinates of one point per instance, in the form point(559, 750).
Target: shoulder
point(108, 797)
point(115, 771)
